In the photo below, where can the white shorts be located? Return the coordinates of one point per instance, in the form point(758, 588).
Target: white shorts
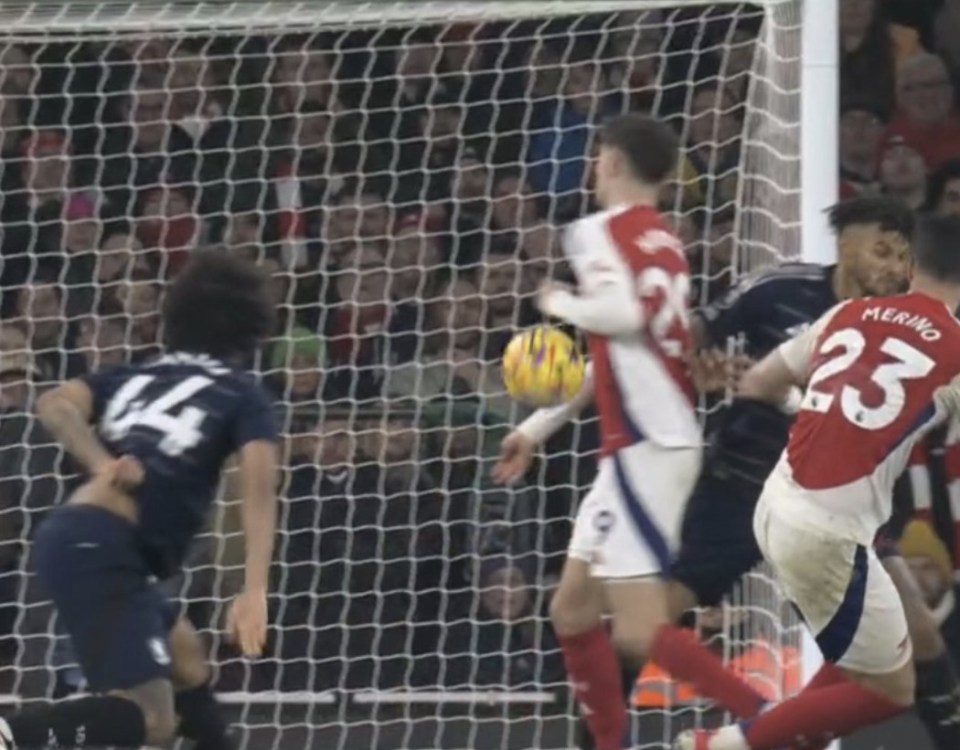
point(628, 525)
point(841, 588)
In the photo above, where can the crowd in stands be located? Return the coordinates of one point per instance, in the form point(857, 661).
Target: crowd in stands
point(404, 188)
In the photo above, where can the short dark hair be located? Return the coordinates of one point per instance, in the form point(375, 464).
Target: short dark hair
point(936, 247)
point(650, 146)
point(218, 305)
point(937, 184)
point(891, 214)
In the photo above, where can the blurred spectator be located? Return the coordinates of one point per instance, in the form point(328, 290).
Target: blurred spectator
point(926, 115)
point(18, 73)
point(356, 323)
point(302, 74)
point(507, 287)
point(168, 225)
point(943, 188)
point(867, 54)
point(101, 337)
point(121, 253)
point(140, 297)
point(903, 172)
point(452, 363)
point(40, 305)
point(932, 568)
point(861, 133)
point(713, 143)
point(297, 368)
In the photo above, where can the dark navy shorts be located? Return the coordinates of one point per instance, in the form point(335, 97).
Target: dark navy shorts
point(717, 546)
point(89, 563)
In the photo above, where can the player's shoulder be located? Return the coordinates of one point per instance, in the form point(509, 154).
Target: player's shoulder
point(630, 232)
point(789, 273)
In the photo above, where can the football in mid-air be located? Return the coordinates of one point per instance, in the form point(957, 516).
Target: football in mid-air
point(542, 366)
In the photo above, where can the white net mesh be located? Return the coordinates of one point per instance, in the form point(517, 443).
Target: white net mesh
point(401, 169)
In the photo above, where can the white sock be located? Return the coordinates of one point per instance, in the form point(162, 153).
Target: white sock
point(729, 738)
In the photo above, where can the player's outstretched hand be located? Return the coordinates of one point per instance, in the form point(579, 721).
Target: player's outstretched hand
point(247, 622)
point(516, 455)
point(712, 370)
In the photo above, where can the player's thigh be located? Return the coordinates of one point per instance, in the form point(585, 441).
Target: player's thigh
point(844, 594)
point(88, 562)
point(644, 492)
point(925, 634)
point(188, 656)
point(638, 607)
point(717, 543)
point(578, 603)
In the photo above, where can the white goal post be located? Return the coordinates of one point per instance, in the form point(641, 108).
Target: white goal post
point(401, 170)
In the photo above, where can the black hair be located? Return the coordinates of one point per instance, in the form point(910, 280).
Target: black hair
point(218, 305)
point(937, 183)
point(892, 214)
point(935, 247)
point(650, 146)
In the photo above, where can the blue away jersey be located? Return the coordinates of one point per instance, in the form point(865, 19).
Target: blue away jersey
point(181, 416)
point(765, 310)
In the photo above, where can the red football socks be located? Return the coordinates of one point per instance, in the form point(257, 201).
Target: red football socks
point(817, 716)
point(594, 673)
point(680, 653)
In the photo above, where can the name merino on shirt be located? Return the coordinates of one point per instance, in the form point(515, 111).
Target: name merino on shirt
point(923, 326)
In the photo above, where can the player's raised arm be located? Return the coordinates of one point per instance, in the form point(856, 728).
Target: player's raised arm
point(779, 377)
point(517, 448)
point(607, 302)
point(66, 411)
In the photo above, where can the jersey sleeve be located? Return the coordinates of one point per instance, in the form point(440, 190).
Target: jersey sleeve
point(255, 417)
point(607, 302)
point(798, 351)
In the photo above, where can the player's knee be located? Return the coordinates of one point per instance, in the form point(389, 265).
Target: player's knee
point(161, 727)
point(568, 618)
point(632, 641)
point(188, 660)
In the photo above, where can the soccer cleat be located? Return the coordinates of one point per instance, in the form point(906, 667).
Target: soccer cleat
point(694, 739)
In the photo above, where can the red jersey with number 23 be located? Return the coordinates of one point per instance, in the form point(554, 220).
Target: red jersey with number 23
point(871, 367)
point(643, 391)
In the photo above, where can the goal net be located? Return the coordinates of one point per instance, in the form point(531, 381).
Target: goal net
point(401, 170)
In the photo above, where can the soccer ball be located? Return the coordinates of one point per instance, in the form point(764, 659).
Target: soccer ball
point(542, 367)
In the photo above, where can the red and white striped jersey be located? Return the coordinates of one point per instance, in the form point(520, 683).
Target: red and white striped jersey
point(871, 367)
point(643, 391)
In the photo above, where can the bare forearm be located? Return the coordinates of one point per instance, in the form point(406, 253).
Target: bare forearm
point(69, 426)
point(259, 527)
point(543, 423)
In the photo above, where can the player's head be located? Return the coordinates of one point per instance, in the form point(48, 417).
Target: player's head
point(936, 250)
point(635, 151)
point(873, 241)
point(218, 305)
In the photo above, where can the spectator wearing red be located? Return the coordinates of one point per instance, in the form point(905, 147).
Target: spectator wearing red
point(926, 116)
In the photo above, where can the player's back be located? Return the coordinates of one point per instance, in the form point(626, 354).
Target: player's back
point(871, 376)
point(181, 417)
point(643, 390)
